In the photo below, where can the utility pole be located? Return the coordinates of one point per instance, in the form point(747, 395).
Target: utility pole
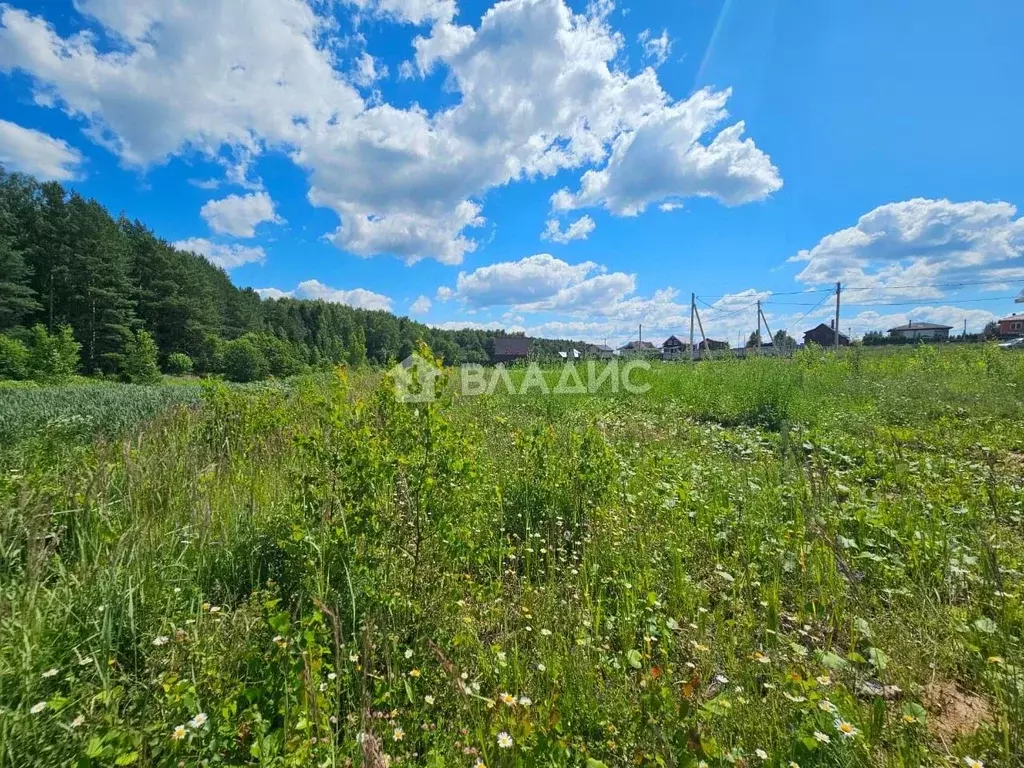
point(835, 328)
point(693, 310)
point(760, 318)
point(759, 326)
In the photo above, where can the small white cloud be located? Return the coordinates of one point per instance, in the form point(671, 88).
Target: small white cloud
point(239, 216)
point(656, 49)
point(420, 307)
point(226, 256)
point(368, 71)
point(359, 298)
point(578, 230)
point(38, 154)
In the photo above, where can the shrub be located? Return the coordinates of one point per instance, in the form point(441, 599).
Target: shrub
point(140, 359)
point(53, 357)
point(178, 364)
point(244, 361)
point(14, 359)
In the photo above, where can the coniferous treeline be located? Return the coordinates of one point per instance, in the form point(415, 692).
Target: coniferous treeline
point(65, 262)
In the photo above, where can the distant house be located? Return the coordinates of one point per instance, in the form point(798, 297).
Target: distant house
point(1012, 326)
point(508, 349)
point(599, 351)
point(714, 346)
point(638, 349)
point(914, 330)
point(673, 349)
point(825, 336)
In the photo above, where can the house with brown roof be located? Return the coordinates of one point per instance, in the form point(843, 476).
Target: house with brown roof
point(509, 349)
point(825, 336)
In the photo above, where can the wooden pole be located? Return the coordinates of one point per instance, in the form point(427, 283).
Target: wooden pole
point(759, 326)
point(839, 291)
point(693, 310)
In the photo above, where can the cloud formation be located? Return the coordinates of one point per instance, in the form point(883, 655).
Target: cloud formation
point(226, 256)
point(578, 230)
point(538, 90)
point(359, 298)
point(38, 153)
point(239, 215)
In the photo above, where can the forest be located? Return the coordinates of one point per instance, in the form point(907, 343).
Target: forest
point(82, 291)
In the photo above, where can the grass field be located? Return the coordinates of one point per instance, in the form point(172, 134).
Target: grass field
point(814, 561)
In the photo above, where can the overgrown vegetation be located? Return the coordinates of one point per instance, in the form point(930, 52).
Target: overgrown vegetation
point(813, 561)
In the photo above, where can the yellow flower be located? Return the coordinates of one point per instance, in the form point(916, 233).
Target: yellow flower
point(399, 734)
point(414, 673)
point(508, 699)
point(761, 658)
point(970, 762)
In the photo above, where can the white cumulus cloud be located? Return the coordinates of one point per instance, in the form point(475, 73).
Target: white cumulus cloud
point(239, 215)
point(420, 307)
point(226, 256)
point(578, 230)
point(314, 289)
point(538, 89)
point(898, 247)
point(656, 49)
point(37, 153)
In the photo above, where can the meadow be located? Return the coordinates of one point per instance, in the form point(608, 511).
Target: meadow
point(811, 562)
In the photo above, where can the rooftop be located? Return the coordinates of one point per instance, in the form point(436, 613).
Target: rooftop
point(921, 327)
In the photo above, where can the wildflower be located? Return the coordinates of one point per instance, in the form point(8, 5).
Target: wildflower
point(215, 609)
point(198, 721)
point(37, 708)
point(794, 764)
point(206, 606)
point(795, 699)
point(414, 673)
point(722, 679)
point(761, 754)
point(541, 668)
point(429, 699)
point(479, 764)
point(823, 680)
point(546, 632)
point(525, 701)
point(50, 673)
point(399, 734)
point(996, 660)
point(161, 640)
point(408, 653)
point(761, 658)
point(504, 740)
point(827, 706)
point(970, 762)
point(822, 738)
point(846, 728)
point(354, 658)
point(507, 698)
point(78, 721)
point(178, 733)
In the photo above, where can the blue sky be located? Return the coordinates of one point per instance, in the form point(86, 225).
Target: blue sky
point(570, 169)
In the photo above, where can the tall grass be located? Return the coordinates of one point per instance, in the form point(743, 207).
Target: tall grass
point(745, 558)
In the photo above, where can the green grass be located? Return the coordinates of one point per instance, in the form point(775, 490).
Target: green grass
point(732, 562)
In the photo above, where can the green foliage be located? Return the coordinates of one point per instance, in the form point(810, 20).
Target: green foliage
point(14, 359)
point(766, 561)
point(140, 357)
point(243, 360)
point(178, 364)
point(53, 358)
